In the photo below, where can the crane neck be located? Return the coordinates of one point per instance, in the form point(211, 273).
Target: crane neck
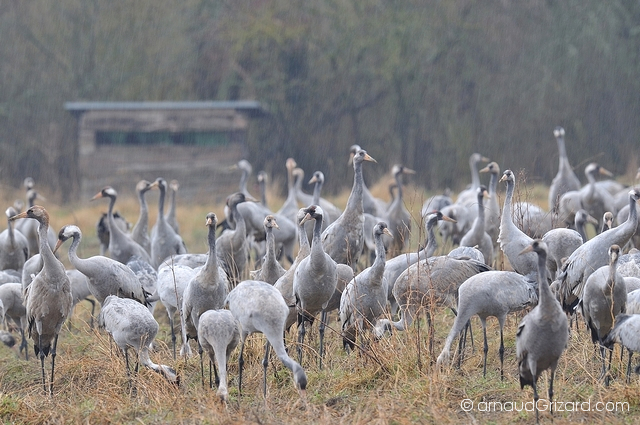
point(506, 209)
point(244, 178)
point(562, 153)
point(355, 203)
point(493, 184)
point(113, 227)
point(263, 193)
point(73, 252)
point(12, 237)
point(45, 249)
point(142, 225)
point(381, 256)
point(271, 246)
point(611, 281)
point(303, 241)
point(316, 192)
point(212, 260)
point(241, 227)
point(431, 244)
point(475, 177)
point(161, 203)
point(546, 297)
point(481, 207)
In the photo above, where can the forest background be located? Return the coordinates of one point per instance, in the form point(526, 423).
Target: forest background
point(423, 83)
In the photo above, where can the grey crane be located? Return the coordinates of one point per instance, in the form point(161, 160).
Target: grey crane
point(436, 202)
point(492, 210)
point(542, 334)
point(106, 276)
point(165, 242)
point(121, 246)
point(581, 219)
point(477, 236)
point(365, 297)
point(397, 215)
point(262, 178)
point(102, 229)
point(371, 205)
point(332, 212)
point(343, 240)
point(629, 264)
point(14, 309)
point(560, 244)
point(396, 265)
point(253, 214)
point(14, 246)
point(171, 216)
point(271, 270)
point(219, 334)
point(148, 278)
point(140, 231)
point(48, 299)
point(604, 297)
point(206, 291)
point(172, 281)
point(131, 325)
point(245, 167)
point(512, 240)
point(492, 293)
point(289, 208)
point(621, 217)
point(596, 200)
point(607, 221)
point(433, 281)
point(314, 282)
point(285, 283)
point(592, 255)
point(29, 228)
point(625, 332)
point(259, 307)
point(468, 196)
point(565, 180)
point(232, 245)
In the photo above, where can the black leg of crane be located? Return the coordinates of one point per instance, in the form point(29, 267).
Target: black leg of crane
point(323, 321)
point(265, 364)
point(240, 366)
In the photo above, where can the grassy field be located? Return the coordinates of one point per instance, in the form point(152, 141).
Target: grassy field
point(383, 385)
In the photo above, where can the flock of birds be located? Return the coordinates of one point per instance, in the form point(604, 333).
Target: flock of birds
point(354, 261)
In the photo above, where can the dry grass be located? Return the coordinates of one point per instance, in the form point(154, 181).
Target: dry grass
point(384, 386)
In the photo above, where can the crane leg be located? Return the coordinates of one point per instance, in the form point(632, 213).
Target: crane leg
point(93, 310)
point(629, 366)
point(240, 367)
point(534, 384)
point(301, 332)
point(200, 351)
point(53, 363)
point(173, 337)
point(44, 384)
point(265, 364)
point(23, 345)
point(553, 373)
point(486, 349)
point(501, 351)
point(321, 326)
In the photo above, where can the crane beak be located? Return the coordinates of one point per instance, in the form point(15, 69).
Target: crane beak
point(306, 218)
point(368, 157)
point(21, 215)
point(408, 170)
point(591, 219)
point(275, 225)
point(503, 178)
point(387, 232)
point(484, 170)
point(58, 245)
point(527, 249)
point(313, 180)
point(605, 172)
point(485, 159)
point(447, 218)
point(96, 196)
